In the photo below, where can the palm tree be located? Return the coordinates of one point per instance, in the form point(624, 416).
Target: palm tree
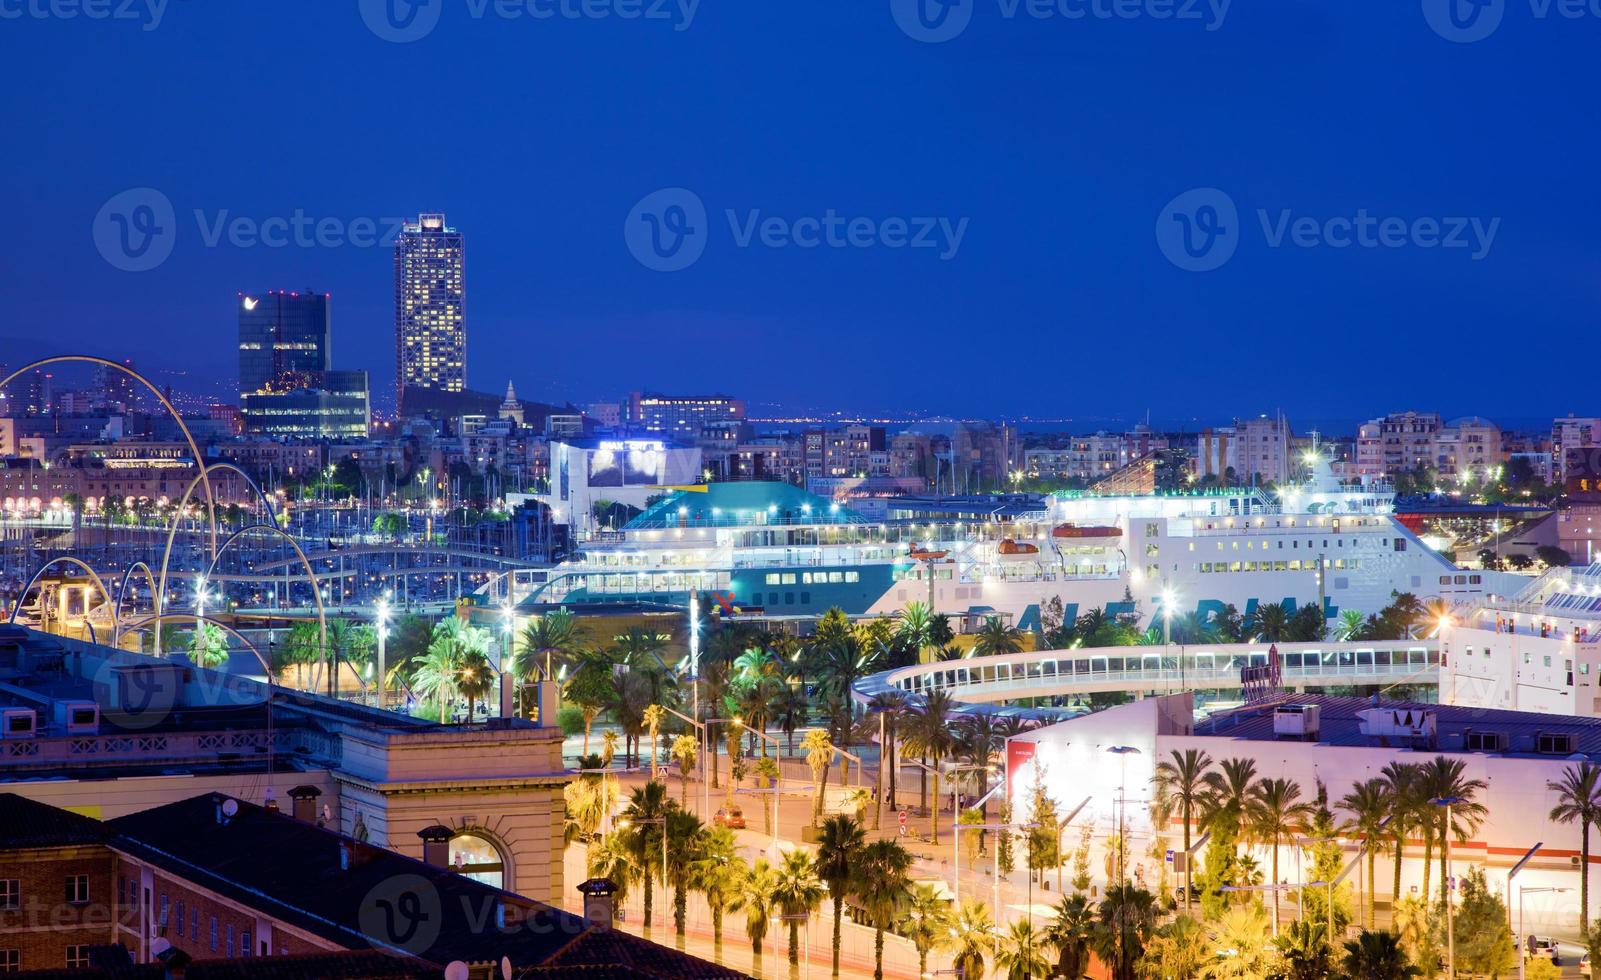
point(915, 627)
point(843, 664)
point(789, 708)
point(1579, 801)
point(715, 873)
point(1304, 948)
point(545, 639)
point(1278, 812)
point(1442, 779)
point(1370, 804)
point(1228, 798)
point(840, 843)
point(435, 675)
point(927, 923)
point(931, 737)
point(1018, 956)
point(1240, 937)
point(1401, 779)
point(798, 894)
point(642, 832)
point(609, 859)
point(974, 938)
point(755, 897)
point(1183, 780)
point(589, 687)
point(892, 706)
point(1071, 933)
point(1378, 956)
point(684, 751)
point(997, 637)
point(685, 835)
point(475, 675)
point(1268, 622)
point(1349, 625)
point(1176, 951)
point(1124, 924)
point(881, 890)
point(653, 716)
point(978, 744)
point(819, 753)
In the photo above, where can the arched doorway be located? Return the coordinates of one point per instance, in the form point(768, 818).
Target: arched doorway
point(478, 858)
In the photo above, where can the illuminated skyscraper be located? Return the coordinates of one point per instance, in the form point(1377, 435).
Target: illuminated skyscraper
point(430, 306)
point(282, 335)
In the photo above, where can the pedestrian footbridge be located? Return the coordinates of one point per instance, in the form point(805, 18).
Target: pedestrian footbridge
point(1060, 675)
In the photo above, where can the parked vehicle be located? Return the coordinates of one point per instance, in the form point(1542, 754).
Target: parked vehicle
point(1542, 947)
point(731, 817)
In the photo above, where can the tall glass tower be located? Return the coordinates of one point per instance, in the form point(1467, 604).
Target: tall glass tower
point(282, 336)
point(430, 307)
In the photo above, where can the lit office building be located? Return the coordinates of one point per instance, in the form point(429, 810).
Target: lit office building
point(282, 334)
point(681, 416)
point(430, 306)
point(332, 405)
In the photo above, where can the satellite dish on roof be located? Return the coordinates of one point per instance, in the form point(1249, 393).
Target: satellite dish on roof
point(505, 968)
point(230, 808)
point(457, 970)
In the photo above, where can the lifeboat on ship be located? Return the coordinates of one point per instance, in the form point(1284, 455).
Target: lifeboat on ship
point(1085, 531)
point(921, 554)
point(1011, 548)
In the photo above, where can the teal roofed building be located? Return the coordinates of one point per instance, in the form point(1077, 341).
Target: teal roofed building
point(742, 504)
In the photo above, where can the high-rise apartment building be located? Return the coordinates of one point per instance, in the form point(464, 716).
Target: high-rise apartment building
point(430, 306)
point(283, 336)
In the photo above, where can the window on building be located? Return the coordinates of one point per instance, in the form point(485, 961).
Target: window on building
point(213, 934)
point(78, 957)
point(244, 942)
point(10, 893)
point(77, 889)
point(10, 961)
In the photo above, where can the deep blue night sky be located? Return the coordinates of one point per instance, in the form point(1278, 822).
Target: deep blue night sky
point(1059, 140)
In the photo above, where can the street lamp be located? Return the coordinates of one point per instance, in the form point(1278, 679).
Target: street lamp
point(1122, 752)
point(1445, 803)
point(806, 918)
point(381, 626)
point(652, 821)
point(1518, 939)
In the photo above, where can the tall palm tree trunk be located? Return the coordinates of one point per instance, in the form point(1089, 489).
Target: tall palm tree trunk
point(1373, 886)
point(1400, 847)
point(1274, 883)
point(838, 918)
point(1584, 877)
point(794, 942)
